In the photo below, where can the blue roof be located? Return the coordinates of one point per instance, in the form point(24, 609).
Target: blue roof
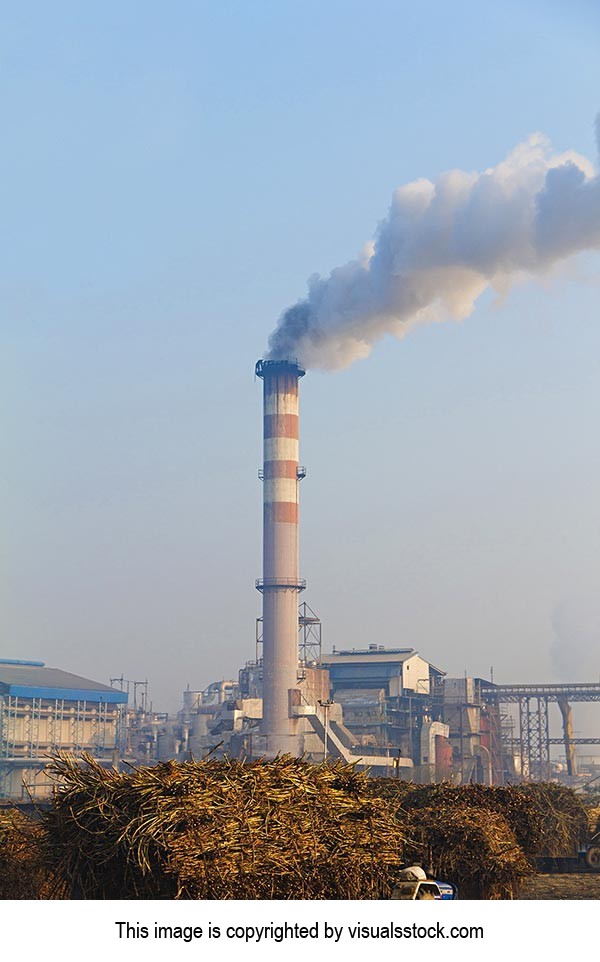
point(22, 679)
point(19, 661)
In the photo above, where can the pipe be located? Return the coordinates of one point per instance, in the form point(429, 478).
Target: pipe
point(280, 583)
point(567, 720)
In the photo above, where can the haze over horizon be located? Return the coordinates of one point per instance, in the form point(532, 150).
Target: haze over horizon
point(170, 181)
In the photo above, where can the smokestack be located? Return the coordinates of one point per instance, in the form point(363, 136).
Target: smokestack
point(280, 583)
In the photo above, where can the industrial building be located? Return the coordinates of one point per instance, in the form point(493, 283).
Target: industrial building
point(379, 702)
point(46, 709)
point(387, 710)
point(383, 709)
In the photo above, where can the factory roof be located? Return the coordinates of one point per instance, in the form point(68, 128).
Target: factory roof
point(31, 679)
point(376, 663)
point(373, 653)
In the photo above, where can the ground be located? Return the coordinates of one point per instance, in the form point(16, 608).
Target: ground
point(574, 886)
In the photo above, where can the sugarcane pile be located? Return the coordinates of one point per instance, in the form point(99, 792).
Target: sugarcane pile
point(563, 817)
point(546, 819)
point(221, 829)
point(593, 814)
point(23, 872)
point(476, 849)
point(281, 829)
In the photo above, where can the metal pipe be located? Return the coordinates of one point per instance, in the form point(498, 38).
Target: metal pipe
point(567, 720)
point(280, 583)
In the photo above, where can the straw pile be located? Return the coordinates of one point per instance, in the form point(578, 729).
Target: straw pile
point(283, 829)
point(221, 829)
point(593, 814)
point(475, 849)
point(563, 817)
point(23, 873)
point(547, 819)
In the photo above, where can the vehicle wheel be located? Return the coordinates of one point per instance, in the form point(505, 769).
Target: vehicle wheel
point(592, 857)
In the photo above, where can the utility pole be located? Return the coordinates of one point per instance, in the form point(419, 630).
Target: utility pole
point(325, 705)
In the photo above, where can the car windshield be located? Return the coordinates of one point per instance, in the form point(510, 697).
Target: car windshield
point(405, 890)
point(428, 891)
point(417, 890)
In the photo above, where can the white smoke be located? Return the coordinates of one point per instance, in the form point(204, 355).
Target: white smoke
point(441, 245)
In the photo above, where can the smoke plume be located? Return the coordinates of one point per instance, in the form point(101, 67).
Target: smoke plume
point(441, 245)
point(575, 650)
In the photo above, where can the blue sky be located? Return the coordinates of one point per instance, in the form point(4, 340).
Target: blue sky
point(171, 176)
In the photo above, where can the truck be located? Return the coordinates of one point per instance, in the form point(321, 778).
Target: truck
point(431, 889)
point(413, 884)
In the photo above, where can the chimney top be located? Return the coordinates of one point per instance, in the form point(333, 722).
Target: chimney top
point(283, 365)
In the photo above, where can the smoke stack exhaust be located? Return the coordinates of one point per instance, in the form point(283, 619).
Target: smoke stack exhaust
point(280, 583)
point(441, 245)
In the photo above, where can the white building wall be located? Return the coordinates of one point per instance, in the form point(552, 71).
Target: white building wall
point(415, 675)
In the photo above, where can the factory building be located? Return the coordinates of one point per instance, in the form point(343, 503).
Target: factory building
point(393, 698)
point(375, 708)
point(45, 709)
point(385, 710)
point(385, 693)
point(475, 734)
point(388, 709)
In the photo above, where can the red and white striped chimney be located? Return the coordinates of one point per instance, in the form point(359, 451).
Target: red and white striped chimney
point(280, 583)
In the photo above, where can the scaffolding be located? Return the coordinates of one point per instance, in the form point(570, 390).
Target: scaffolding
point(32, 728)
point(534, 738)
point(309, 630)
point(309, 639)
point(128, 685)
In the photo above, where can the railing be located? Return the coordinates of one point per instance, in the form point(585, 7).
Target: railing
point(266, 365)
point(295, 584)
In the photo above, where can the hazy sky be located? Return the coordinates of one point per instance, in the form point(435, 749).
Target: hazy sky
point(171, 175)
